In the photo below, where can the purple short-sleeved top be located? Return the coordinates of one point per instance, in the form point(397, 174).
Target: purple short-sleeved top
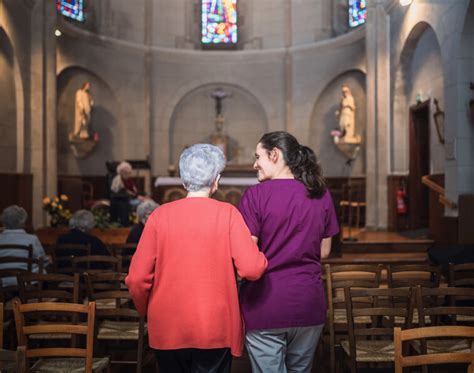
point(289, 226)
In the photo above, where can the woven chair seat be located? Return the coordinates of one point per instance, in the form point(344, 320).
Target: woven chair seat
point(104, 304)
point(465, 318)
point(437, 346)
point(122, 330)
point(340, 317)
point(371, 351)
point(69, 365)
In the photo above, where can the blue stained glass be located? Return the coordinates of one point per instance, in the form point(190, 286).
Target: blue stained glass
point(71, 8)
point(219, 22)
point(357, 12)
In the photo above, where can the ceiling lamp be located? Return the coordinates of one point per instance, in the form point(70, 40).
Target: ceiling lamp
point(405, 2)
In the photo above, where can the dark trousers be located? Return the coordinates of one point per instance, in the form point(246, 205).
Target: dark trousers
point(194, 360)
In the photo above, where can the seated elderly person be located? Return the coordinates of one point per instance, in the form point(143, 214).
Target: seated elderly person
point(14, 218)
point(144, 210)
point(182, 274)
point(80, 224)
point(124, 194)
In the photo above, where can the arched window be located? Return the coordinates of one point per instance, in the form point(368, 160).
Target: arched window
point(218, 23)
point(71, 8)
point(357, 12)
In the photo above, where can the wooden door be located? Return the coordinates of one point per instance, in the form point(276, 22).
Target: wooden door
point(418, 194)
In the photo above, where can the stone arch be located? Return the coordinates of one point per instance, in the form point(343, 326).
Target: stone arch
point(13, 114)
point(245, 119)
point(323, 120)
point(418, 74)
point(105, 119)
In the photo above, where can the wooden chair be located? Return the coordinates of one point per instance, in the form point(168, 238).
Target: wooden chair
point(11, 263)
point(96, 264)
point(440, 305)
point(410, 335)
point(35, 287)
point(119, 325)
point(63, 254)
point(411, 275)
point(338, 277)
point(353, 199)
point(59, 358)
point(373, 342)
point(461, 275)
point(125, 252)
point(11, 360)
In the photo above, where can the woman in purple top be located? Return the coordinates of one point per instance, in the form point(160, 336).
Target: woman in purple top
point(292, 217)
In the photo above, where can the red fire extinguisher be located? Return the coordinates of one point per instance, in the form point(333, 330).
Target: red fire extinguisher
point(402, 207)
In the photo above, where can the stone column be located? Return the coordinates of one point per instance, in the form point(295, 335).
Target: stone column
point(288, 75)
point(43, 106)
point(378, 114)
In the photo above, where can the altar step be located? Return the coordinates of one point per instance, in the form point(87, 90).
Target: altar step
point(381, 248)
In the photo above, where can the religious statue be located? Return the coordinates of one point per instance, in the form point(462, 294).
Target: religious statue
point(83, 111)
point(346, 114)
point(83, 140)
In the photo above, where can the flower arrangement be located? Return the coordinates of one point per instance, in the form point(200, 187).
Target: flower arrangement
point(56, 208)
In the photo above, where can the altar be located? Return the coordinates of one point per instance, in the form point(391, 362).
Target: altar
point(167, 189)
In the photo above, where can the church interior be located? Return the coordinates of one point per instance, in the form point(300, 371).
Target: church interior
point(381, 90)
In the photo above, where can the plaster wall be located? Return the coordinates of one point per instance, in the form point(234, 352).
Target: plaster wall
point(451, 22)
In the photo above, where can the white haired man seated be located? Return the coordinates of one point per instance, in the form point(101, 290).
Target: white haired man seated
point(14, 218)
point(144, 210)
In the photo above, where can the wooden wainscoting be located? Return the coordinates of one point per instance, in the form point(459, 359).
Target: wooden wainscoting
point(17, 189)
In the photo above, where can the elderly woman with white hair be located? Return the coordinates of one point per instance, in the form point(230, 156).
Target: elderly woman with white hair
point(14, 218)
point(81, 223)
point(144, 210)
point(182, 274)
point(124, 194)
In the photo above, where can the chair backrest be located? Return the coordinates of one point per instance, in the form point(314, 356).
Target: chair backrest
point(461, 275)
point(111, 287)
point(62, 255)
point(377, 304)
point(444, 304)
point(125, 252)
point(401, 336)
point(412, 275)
point(25, 332)
point(14, 256)
point(96, 264)
point(36, 287)
point(351, 275)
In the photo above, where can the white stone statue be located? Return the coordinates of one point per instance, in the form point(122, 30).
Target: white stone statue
point(346, 114)
point(83, 111)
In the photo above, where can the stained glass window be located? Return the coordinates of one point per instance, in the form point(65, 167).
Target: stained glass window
point(219, 22)
point(71, 8)
point(357, 12)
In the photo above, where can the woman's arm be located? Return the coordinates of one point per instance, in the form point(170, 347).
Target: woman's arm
point(249, 261)
point(142, 267)
point(326, 247)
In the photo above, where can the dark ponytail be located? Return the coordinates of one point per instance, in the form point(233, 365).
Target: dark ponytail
point(300, 159)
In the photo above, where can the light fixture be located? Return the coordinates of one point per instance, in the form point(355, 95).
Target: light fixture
point(405, 2)
point(57, 32)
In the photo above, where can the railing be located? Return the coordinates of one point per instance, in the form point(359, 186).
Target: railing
point(440, 190)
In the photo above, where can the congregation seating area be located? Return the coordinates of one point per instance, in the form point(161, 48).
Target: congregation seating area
point(80, 310)
point(392, 316)
point(379, 316)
